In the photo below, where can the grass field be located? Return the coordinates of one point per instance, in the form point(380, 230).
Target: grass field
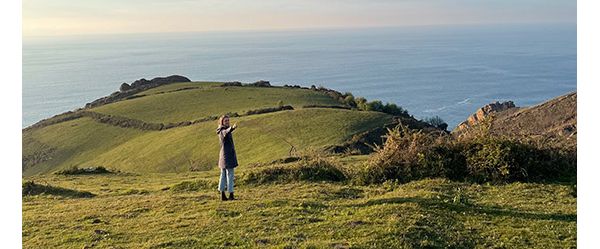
point(138, 211)
point(260, 138)
point(84, 142)
point(207, 100)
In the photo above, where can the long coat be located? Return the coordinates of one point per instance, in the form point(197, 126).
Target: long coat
point(227, 156)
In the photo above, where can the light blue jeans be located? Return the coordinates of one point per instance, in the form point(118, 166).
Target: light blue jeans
point(226, 178)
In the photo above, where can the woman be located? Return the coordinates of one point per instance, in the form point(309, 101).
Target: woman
point(227, 157)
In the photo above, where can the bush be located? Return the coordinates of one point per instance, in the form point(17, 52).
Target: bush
point(235, 83)
point(395, 110)
point(269, 109)
point(314, 167)
point(83, 171)
point(411, 155)
point(261, 83)
point(376, 106)
point(361, 103)
point(349, 100)
point(493, 159)
point(404, 157)
point(31, 188)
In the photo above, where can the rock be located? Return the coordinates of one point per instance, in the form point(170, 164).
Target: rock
point(553, 121)
point(234, 83)
point(484, 112)
point(137, 86)
point(124, 87)
point(261, 83)
point(96, 221)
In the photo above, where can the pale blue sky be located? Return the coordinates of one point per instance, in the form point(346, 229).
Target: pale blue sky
point(70, 17)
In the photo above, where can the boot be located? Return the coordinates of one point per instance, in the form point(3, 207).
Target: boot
point(223, 197)
point(231, 196)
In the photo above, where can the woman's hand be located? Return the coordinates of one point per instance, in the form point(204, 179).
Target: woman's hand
point(234, 126)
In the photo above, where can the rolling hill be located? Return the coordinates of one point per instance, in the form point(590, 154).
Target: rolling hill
point(170, 127)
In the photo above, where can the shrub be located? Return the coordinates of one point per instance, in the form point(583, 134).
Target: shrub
point(361, 103)
point(83, 171)
point(31, 188)
point(234, 83)
point(269, 109)
point(493, 159)
point(395, 110)
point(261, 83)
point(402, 157)
point(410, 155)
point(327, 106)
point(349, 100)
point(313, 167)
point(376, 106)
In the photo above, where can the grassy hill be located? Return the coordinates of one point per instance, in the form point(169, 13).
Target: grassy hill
point(163, 141)
point(166, 104)
point(85, 142)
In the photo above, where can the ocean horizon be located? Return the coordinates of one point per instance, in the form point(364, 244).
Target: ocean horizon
point(446, 71)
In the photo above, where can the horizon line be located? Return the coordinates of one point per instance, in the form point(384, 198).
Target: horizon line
point(299, 29)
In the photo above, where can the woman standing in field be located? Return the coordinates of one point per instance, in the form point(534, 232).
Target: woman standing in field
point(227, 156)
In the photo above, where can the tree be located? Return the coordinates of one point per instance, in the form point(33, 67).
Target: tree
point(361, 103)
point(437, 122)
point(375, 105)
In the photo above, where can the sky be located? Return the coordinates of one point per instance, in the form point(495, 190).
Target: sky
point(76, 17)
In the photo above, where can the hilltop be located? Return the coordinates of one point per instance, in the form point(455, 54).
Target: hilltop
point(167, 125)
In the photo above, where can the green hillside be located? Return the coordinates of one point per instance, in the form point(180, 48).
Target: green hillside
point(404, 195)
point(208, 99)
point(85, 142)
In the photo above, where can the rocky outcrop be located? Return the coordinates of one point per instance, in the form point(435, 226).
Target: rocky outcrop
point(485, 112)
point(124, 87)
point(553, 122)
point(137, 86)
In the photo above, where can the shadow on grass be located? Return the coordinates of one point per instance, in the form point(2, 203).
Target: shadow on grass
point(471, 209)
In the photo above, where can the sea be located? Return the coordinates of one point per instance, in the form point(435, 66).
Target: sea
point(445, 71)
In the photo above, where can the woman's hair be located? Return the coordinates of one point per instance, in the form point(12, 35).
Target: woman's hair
point(221, 119)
